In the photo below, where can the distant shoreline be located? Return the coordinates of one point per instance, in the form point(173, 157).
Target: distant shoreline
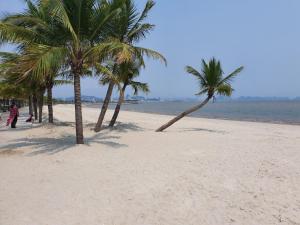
point(263, 112)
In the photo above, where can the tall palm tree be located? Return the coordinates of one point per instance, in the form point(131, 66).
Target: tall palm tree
point(211, 82)
point(125, 75)
point(128, 27)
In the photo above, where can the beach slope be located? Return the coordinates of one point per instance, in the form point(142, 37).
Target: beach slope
point(200, 171)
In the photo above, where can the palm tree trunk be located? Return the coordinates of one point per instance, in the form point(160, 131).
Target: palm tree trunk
point(30, 108)
point(118, 107)
point(41, 105)
point(105, 106)
point(34, 100)
point(78, 109)
point(191, 110)
point(50, 104)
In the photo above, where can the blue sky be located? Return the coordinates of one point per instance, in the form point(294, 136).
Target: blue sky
point(262, 35)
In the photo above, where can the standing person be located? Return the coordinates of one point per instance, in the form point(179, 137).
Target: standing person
point(13, 116)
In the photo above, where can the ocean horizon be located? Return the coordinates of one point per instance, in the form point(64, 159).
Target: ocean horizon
point(282, 112)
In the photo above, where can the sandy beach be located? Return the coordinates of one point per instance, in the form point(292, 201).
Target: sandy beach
point(200, 171)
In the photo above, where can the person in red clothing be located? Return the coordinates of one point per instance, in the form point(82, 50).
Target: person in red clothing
point(13, 116)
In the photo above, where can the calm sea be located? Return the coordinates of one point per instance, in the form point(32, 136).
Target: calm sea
point(273, 112)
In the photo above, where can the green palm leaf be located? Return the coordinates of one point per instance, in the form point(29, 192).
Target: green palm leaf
point(194, 72)
point(138, 86)
point(231, 76)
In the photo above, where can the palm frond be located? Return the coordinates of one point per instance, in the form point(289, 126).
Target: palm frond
point(41, 60)
point(103, 13)
point(203, 91)
point(15, 34)
point(224, 89)
point(58, 10)
point(149, 5)
point(8, 56)
point(211, 78)
point(138, 86)
point(140, 32)
point(107, 75)
point(151, 54)
point(232, 75)
point(194, 72)
point(62, 82)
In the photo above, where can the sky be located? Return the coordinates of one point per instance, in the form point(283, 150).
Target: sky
point(261, 35)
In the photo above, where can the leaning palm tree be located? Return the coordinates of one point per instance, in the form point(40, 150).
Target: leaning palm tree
point(128, 28)
point(211, 82)
point(124, 76)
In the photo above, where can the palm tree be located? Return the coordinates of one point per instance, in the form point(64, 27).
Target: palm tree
point(15, 68)
point(211, 82)
point(128, 28)
point(125, 74)
point(79, 29)
point(37, 18)
point(9, 80)
point(54, 81)
point(77, 36)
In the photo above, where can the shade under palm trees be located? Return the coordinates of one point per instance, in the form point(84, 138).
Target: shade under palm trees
point(211, 82)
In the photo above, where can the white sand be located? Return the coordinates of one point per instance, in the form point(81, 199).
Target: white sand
point(200, 172)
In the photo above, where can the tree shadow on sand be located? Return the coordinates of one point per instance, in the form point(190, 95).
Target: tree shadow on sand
point(50, 146)
point(203, 130)
point(124, 127)
point(22, 125)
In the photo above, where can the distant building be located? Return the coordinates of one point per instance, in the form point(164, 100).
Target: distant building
point(141, 98)
point(153, 99)
point(136, 98)
point(87, 99)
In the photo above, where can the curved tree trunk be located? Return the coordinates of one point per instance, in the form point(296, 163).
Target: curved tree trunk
point(191, 110)
point(105, 106)
point(41, 105)
point(50, 104)
point(118, 107)
point(78, 109)
point(30, 108)
point(35, 109)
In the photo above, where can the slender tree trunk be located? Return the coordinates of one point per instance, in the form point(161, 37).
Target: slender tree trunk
point(105, 106)
point(34, 100)
point(30, 105)
point(41, 105)
point(191, 110)
point(50, 104)
point(78, 109)
point(118, 107)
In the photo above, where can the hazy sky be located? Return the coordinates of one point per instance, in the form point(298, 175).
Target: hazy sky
point(262, 35)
